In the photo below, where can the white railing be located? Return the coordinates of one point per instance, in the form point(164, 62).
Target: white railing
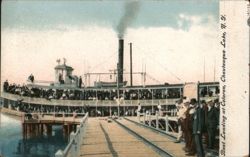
point(150, 118)
point(74, 146)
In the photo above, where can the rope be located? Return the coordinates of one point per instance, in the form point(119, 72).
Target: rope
point(104, 61)
point(152, 58)
point(152, 78)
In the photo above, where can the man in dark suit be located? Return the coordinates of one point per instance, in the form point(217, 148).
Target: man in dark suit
point(198, 125)
point(188, 127)
point(6, 86)
point(80, 82)
point(212, 123)
point(31, 78)
point(204, 107)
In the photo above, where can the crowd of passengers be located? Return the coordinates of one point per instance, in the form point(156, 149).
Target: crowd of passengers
point(20, 106)
point(89, 94)
point(205, 91)
point(198, 126)
point(34, 108)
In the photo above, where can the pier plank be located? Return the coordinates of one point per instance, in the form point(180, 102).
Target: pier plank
point(108, 139)
point(160, 140)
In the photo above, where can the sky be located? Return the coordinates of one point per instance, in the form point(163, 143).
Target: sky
point(172, 40)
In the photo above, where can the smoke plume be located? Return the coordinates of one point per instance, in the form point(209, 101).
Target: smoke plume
point(131, 11)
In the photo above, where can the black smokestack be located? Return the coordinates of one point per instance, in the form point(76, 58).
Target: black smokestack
point(130, 12)
point(120, 61)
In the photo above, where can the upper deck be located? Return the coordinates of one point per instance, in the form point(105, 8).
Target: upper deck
point(128, 96)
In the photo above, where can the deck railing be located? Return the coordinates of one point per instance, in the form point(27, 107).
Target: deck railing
point(74, 146)
point(93, 103)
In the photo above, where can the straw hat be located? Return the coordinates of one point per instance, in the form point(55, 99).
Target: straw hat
point(209, 100)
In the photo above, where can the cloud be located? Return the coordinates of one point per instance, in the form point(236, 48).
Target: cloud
point(185, 21)
point(172, 53)
point(168, 53)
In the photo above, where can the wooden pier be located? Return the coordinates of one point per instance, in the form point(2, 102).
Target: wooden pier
point(107, 138)
point(104, 139)
point(42, 124)
point(36, 124)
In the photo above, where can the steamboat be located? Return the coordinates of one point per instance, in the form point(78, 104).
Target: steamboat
point(68, 92)
point(68, 101)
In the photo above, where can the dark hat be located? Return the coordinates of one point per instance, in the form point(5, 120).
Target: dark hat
point(193, 100)
point(216, 100)
point(203, 101)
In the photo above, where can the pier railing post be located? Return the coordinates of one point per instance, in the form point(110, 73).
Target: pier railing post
point(157, 120)
point(59, 153)
point(166, 123)
point(139, 116)
point(79, 139)
point(149, 119)
point(144, 118)
point(73, 138)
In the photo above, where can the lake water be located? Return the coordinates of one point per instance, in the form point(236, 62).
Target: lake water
point(13, 145)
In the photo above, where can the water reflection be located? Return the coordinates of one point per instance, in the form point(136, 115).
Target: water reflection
point(12, 143)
